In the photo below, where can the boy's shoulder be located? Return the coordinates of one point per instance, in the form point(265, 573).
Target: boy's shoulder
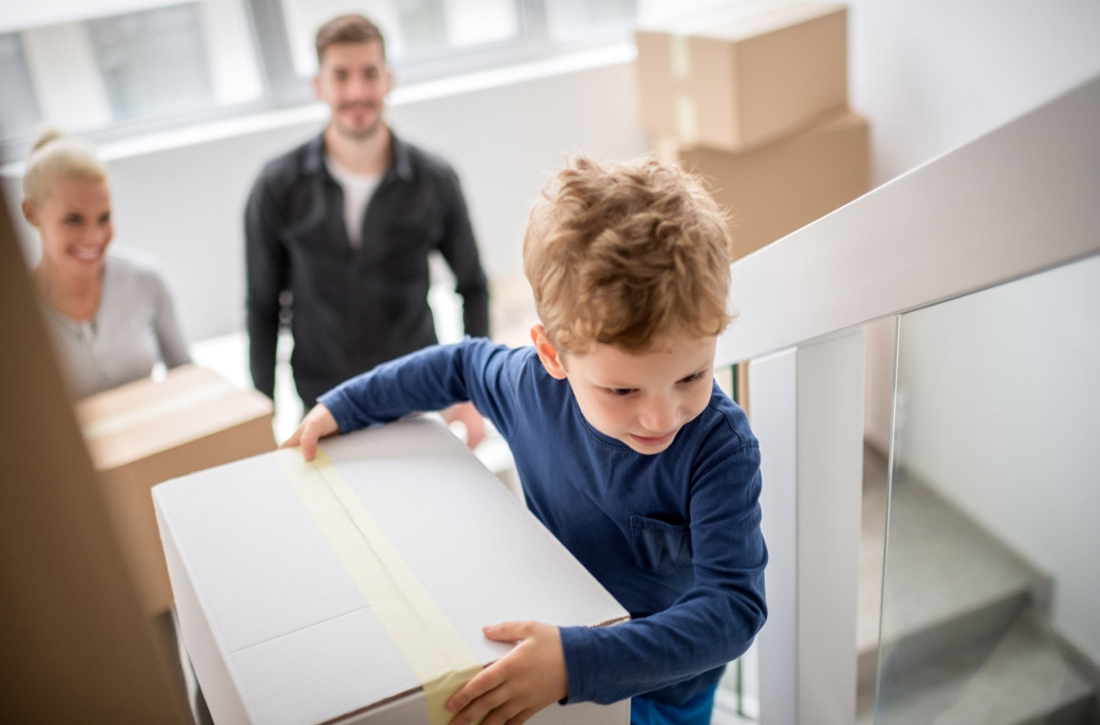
point(723, 421)
point(492, 356)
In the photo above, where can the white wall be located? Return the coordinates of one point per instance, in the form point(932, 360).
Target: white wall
point(999, 396)
point(1005, 433)
point(933, 75)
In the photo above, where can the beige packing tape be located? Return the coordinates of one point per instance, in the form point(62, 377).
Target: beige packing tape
point(687, 120)
point(679, 57)
point(173, 404)
point(679, 67)
point(433, 648)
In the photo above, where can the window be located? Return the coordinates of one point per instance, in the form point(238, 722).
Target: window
point(112, 68)
point(19, 112)
point(573, 19)
point(153, 61)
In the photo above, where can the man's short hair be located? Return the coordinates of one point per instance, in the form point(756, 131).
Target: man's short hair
point(620, 254)
point(348, 29)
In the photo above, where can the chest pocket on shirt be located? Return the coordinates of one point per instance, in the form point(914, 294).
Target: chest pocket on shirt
point(660, 547)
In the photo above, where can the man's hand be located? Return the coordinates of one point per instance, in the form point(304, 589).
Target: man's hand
point(467, 414)
point(317, 424)
point(519, 684)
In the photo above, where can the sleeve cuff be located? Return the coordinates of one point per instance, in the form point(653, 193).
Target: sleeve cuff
point(335, 401)
point(572, 644)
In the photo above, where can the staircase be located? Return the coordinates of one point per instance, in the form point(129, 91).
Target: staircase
point(963, 626)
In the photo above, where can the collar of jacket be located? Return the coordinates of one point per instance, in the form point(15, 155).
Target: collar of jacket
point(401, 164)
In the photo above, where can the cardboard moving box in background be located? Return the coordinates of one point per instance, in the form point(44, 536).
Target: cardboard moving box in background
point(773, 190)
point(150, 431)
point(76, 646)
point(276, 624)
point(743, 75)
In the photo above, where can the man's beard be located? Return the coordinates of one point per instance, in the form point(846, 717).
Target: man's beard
point(363, 135)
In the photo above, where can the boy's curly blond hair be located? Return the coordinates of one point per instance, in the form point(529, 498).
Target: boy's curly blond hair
point(619, 254)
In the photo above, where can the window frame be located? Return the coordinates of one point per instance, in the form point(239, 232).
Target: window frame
point(282, 88)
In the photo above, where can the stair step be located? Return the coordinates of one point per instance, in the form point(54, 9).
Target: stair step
point(1017, 678)
point(947, 579)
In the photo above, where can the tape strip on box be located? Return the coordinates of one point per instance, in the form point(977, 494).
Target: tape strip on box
point(182, 400)
point(687, 120)
point(679, 57)
point(433, 648)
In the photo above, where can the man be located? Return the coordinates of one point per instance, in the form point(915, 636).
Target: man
point(345, 223)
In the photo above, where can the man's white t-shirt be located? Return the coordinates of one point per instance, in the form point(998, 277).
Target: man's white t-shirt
point(358, 190)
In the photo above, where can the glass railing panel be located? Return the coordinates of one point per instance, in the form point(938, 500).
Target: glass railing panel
point(991, 582)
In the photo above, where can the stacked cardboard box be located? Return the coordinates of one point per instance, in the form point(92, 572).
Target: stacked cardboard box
point(354, 589)
point(150, 431)
point(754, 97)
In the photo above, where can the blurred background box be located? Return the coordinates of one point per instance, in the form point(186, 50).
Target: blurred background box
point(743, 75)
point(778, 188)
point(149, 431)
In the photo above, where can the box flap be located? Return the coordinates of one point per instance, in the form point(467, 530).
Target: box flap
point(783, 15)
point(742, 20)
point(331, 664)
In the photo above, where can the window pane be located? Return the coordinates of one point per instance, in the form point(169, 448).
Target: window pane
point(303, 17)
point(19, 113)
point(153, 61)
point(572, 19)
point(472, 22)
point(423, 23)
point(414, 29)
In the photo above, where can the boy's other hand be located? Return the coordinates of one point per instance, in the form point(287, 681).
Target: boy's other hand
point(467, 414)
point(519, 684)
point(317, 424)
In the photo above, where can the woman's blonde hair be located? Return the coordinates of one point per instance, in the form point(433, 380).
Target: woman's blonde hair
point(620, 254)
point(55, 156)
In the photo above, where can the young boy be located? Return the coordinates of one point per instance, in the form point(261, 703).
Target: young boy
point(628, 451)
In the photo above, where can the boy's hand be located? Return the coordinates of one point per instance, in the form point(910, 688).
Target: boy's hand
point(470, 418)
point(317, 424)
point(519, 684)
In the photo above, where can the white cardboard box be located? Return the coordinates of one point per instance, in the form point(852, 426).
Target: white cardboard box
point(275, 626)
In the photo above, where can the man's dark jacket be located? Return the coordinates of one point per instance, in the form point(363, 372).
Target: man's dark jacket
point(353, 308)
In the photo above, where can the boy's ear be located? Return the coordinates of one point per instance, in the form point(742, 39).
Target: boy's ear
point(548, 354)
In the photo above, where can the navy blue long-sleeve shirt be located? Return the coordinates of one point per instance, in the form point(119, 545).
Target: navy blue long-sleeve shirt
point(675, 536)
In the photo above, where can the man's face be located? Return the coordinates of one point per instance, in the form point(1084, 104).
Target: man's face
point(353, 80)
point(642, 399)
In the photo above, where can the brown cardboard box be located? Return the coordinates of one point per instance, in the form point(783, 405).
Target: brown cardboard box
point(744, 75)
point(775, 189)
point(147, 432)
point(77, 648)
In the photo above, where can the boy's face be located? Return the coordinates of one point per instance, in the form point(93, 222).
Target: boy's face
point(641, 399)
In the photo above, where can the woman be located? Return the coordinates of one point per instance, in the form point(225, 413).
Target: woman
point(111, 316)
